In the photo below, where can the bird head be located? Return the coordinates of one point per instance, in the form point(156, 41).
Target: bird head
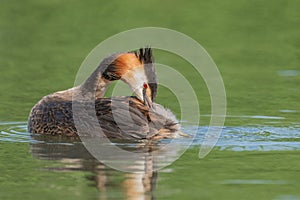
point(137, 70)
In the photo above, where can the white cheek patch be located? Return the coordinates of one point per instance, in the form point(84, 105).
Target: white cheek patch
point(136, 78)
point(140, 78)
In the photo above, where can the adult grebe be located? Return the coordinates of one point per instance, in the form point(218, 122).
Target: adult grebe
point(137, 117)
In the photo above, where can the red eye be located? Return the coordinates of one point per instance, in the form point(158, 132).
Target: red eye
point(145, 86)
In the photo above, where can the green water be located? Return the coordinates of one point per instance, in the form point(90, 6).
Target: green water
point(221, 175)
point(255, 45)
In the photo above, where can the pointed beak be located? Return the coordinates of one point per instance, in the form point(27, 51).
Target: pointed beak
point(147, 100)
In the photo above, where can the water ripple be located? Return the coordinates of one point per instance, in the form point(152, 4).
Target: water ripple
point(238, 138)
point(260, 138)
point(288, 72)
point(14, 132)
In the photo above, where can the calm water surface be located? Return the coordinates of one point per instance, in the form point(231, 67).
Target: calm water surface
point(255, 45)
point(257, 160)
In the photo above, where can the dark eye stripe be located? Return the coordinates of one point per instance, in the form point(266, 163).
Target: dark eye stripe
point(110, 72)
point(110, 76)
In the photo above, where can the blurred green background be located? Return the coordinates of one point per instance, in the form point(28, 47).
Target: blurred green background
point(255, 44)
point(42, 44)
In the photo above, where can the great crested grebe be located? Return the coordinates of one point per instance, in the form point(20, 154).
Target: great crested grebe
point(53, 115)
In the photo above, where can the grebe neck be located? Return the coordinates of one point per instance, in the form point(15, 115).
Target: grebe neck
point(95, 85)
point(93, 90)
